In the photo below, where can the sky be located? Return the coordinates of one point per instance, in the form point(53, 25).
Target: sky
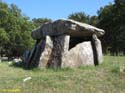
point(56, 9)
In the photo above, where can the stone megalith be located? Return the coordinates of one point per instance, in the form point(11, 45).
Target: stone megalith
point(65, 43)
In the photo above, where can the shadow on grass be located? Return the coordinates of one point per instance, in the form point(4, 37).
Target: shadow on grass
point(19, 64)
point(22, 65)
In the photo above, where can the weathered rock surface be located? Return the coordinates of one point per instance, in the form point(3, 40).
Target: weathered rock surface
point(34, 56)
point(98, 48)
point(56, 53)
point(55, 49)
point(45, 55)
point(70, 27)
point(80, 55)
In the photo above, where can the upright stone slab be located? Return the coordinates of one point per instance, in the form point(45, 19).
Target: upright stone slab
point(98, 48)
point(46, 54)
point(55, 48)
point(34, 58)
point(80, 55)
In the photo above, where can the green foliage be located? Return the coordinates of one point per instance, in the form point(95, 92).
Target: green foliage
point(93, 20)
point(3, 36)
point(15, 29)
point(39, 21)
point(80, 16)
point(111, 19)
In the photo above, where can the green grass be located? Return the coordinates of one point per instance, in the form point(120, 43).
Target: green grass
point(109, 77)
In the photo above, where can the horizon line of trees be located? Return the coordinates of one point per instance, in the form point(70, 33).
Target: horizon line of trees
point(15, 28)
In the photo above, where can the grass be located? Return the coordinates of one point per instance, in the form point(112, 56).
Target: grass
point(109, 77)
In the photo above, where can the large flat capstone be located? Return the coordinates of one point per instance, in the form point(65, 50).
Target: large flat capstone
point(70, 27)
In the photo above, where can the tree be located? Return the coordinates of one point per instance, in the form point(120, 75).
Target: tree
point(3, 39)
point(80, 16)
point(39, 21)
point(93, 20)
point(17, 28)
point(111, 19)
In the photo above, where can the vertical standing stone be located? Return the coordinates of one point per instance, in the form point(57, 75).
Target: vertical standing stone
point(35, 56)
point(65, 50)
point(61, 44)
point(97, 50)
point(55, 49)
point(46, 54)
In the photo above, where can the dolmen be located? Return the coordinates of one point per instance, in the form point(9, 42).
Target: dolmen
point(65, 43)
